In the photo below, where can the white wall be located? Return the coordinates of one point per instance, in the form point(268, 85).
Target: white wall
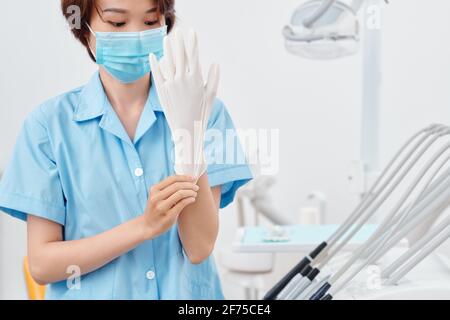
point(316, 105)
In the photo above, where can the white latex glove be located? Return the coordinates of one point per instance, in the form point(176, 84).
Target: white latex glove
point(186, 99)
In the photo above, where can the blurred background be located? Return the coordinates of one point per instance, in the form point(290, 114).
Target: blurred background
point(316, 105)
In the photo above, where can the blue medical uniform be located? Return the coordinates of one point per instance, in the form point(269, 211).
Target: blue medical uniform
point(74, 164)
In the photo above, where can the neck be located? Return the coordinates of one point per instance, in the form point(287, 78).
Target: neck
point(128, 96)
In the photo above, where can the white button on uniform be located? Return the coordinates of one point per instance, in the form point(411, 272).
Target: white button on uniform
point(150, 275)
point(139, 172)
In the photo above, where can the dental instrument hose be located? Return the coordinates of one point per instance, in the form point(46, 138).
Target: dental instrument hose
point(305, 262)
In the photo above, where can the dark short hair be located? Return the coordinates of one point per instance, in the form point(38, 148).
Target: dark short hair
point(166, 7)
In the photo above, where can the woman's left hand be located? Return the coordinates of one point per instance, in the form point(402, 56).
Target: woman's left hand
point(186, 99)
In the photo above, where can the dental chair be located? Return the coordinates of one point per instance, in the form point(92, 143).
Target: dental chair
point(248, 271)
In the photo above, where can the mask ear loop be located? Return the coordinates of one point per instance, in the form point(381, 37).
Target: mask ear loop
point(88, 42)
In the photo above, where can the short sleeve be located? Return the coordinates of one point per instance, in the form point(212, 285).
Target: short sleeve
point(227, 164)
point(31, 183)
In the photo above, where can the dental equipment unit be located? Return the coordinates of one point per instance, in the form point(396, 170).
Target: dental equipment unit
point(428, 205)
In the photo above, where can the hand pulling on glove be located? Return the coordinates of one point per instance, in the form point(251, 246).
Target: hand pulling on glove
point(186, 99)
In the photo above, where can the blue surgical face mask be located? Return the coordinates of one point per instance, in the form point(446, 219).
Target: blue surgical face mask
point(125, 55)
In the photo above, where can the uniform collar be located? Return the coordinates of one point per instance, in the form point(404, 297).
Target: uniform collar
point(94, 103)
point(93, 100)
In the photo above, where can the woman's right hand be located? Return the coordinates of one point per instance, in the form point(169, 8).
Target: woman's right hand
point(166, 201)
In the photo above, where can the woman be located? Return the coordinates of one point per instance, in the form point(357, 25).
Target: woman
point(93, 174)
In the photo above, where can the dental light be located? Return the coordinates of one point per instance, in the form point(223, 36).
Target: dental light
point(330, 29)
point(324, 29)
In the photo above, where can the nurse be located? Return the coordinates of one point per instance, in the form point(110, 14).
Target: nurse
point(93, 173)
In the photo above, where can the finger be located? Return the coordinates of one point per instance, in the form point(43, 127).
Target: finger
point(173, 188)
point(178, 196)
point(213, 81)
point(156, 70)
point(171, 180)
point(192, 51)
point(169, 59)
point(164, 70)
point(211, 88)
point(176, 210)
point(180, 53)
point(159, 81)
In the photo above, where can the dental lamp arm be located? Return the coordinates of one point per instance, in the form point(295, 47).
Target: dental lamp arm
point(324, 7)
point(357, 4)
point(258, 193)
point(320, 11)
point(265, 207)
